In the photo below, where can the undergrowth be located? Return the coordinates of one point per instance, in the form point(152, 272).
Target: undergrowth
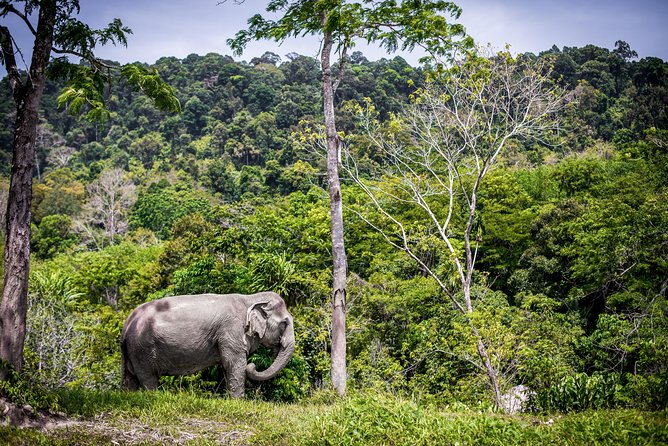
point(20, 390)
point(360, 419)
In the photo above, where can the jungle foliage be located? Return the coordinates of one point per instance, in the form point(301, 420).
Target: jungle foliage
point(227, 197)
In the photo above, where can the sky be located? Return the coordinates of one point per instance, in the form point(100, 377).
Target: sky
point(182, 27)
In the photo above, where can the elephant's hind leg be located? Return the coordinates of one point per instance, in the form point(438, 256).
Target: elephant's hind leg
point(130, 381)
point(148, 380)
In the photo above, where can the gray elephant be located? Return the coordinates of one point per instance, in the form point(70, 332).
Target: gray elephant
point(179, 335)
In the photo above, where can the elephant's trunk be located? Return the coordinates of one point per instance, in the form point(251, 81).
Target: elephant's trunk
point(282, 358)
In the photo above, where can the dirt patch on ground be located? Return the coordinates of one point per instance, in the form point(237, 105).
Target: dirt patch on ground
point(25, 416)
point(134, 432)
point(102, 429)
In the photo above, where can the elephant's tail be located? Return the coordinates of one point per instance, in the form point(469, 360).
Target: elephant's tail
point(129, 380)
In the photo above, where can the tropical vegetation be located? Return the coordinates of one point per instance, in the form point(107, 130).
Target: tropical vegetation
point(571, 235)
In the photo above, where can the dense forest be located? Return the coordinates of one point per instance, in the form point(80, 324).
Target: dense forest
point(229, 196)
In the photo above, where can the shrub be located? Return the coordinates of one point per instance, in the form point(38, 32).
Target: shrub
point(54, 341)
point(645, 391)
point(579, 392)
point(270, 272)
point(53, 235)
point(290, 385)
point(21, 389)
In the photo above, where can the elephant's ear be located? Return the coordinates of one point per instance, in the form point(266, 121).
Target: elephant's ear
point(256, 319)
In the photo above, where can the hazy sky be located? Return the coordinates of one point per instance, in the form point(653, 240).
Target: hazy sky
point(181, 27)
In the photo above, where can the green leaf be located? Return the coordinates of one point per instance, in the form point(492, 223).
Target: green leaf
point(151, 84)
point(84, 91)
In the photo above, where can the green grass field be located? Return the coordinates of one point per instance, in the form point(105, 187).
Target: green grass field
point(108, 418)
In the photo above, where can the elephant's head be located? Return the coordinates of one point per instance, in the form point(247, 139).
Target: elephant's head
point(271, 324)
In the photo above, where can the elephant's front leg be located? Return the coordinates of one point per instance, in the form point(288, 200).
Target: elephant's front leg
point(235, 370)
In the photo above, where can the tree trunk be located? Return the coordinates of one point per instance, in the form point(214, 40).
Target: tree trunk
point(27, 96)
point(336, 209)
point(490, 371)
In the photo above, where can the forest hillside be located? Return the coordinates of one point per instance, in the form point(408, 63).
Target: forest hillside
point(229, 196)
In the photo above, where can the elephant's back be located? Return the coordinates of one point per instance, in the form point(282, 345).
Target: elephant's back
point(166, 317)
point(178, 304)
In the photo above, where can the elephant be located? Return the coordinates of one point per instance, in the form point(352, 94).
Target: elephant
point(180, 335)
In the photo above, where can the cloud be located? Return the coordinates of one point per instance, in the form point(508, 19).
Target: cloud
point(179, 28)
point(534, 26)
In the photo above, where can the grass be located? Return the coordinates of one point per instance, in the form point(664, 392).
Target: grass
point(362, 419)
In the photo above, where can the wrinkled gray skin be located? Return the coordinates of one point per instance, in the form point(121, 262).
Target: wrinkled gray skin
point(180, 335)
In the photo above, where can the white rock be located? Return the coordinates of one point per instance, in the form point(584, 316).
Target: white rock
point(516, 399)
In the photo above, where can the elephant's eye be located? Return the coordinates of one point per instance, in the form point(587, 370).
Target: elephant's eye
point(282, 325)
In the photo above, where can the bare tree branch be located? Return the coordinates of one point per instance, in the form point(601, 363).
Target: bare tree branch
point(6, 42)
point(9, 8)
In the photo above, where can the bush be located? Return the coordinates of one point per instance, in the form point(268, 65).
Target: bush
point(120, 275)
point(580, 392)
point(53, 235)
point(102, 357)
point(290, 385)
point(72, 349)
point(268, 271)
point(201, 276)
point(22, 389)
point(54, 341)
point(645, 391)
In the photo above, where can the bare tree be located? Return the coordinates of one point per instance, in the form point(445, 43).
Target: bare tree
point(109, 198)
point(46, 140)
point(60, 156)
point(437, 153)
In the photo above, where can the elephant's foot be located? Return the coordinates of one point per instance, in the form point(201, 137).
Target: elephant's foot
point(237, 393)
point(236, 387)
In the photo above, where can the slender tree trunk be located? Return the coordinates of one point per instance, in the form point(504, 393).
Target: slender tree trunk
point(27, 96)
point(490, 371)
point(489, 368)
point(336, 208)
